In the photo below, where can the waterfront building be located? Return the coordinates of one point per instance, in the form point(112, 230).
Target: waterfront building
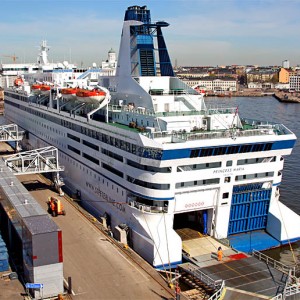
point(218, 84)
point(282, 86)
point(261, 85)
point(286, 64)
point(295, 82)
point(262, 75)
point(192, 73)
point(284, 75)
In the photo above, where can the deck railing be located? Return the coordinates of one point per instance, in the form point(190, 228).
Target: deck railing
point(274, 263)
point(217, 295)
point(147, 208)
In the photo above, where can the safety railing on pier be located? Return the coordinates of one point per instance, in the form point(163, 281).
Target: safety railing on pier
point(292, 286)
point(195, 272)
point(274, 263)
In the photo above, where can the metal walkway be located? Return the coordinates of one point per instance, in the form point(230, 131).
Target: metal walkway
point(43, 160)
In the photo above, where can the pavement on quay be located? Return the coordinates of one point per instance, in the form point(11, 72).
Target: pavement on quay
point(97, 267)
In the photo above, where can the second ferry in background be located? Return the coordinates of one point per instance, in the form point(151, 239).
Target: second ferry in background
point(151, 158)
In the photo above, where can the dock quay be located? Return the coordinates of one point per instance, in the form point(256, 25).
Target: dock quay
point(287, 97)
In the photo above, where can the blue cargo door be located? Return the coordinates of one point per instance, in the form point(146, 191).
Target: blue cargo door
point(249, 208)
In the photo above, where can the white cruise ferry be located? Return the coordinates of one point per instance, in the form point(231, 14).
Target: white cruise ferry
point(151, 158)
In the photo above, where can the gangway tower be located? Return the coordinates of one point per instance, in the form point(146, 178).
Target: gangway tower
point(43, 160)
point(11, 133)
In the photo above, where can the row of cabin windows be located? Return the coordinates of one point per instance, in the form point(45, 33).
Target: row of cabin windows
point(188, 184)
point(85, 169)
point(96, 161)
point(213, 151)
point(145, 152)
point(253, 176)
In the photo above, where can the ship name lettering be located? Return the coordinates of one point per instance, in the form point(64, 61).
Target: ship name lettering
point(195, 204)
point(228, 170)
point(119, 206)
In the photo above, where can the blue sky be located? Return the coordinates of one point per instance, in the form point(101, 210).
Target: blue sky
point(201, 32)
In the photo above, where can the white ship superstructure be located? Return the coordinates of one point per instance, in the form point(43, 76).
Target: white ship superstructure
point(10, 72)
point(151, 158)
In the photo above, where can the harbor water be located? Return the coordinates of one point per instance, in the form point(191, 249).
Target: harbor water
point(269, 109)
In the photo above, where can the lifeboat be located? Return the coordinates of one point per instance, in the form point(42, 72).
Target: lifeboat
point(90, 96)
point(69, 93)
point(36, 88)
point(200, 91)
point(18, 81)
point(45, 89)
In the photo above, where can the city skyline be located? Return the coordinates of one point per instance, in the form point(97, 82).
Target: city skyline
point(201, 32)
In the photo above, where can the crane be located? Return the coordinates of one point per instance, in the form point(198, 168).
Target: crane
point(13, 57)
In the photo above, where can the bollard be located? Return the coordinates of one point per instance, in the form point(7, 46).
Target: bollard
point(69, 285)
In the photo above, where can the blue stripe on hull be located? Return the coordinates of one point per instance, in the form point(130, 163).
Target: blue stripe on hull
point(186, 153)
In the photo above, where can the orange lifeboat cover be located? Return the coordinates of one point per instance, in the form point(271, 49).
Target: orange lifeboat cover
point(69, 91)
point(45, 87)
point(18, 81)
point(36, 86)
point(88, 93)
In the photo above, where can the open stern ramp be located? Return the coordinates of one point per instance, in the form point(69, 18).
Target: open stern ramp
point(41, 160)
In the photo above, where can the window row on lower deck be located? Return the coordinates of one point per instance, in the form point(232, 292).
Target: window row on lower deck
point(223, 150)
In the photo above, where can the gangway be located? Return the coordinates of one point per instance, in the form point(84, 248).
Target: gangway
point(11, 133)
point(43, 160)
